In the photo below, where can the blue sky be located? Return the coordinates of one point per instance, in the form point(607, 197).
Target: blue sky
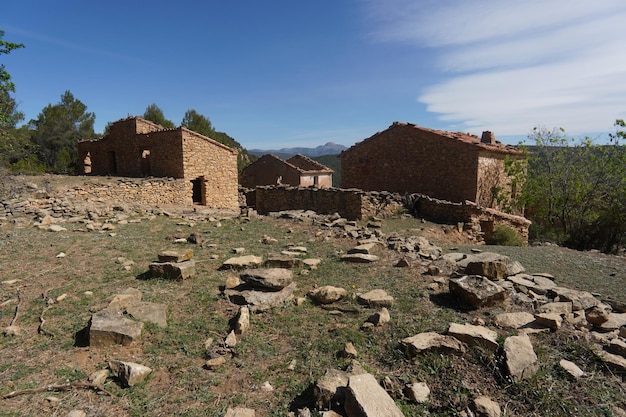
point(285, 73)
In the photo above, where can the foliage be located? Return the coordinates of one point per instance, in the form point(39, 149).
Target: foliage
point(576, 190)
point(154, 114)
point(198, 123)
point(57, 130)
point(505, 236)
point(7, 104)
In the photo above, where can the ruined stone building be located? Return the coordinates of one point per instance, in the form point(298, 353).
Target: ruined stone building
point(455, 167)
point(134, 147)
point(297, 171)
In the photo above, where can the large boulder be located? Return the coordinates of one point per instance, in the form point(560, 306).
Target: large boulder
point(110, 327)
point(272, 279)
point(477, 291)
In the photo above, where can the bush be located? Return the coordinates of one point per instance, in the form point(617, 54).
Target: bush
point(505, 236)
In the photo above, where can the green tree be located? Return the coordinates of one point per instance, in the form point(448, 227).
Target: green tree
point(57, 130)
point(7, 104)
point(573, 188)
point(198, 123)
point(154, 114)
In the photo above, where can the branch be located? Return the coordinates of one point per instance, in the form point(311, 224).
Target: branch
point(63, 387)
point(17, 308)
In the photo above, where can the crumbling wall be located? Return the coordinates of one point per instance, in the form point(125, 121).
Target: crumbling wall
point(136, 191)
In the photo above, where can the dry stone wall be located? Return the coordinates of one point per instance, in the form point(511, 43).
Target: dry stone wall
point(148, 192)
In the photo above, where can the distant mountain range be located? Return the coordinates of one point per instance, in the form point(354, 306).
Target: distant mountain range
point(329, 148)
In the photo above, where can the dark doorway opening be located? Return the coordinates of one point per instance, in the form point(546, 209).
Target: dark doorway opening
point(197, 190)
point(146, 170)
point(112, 163)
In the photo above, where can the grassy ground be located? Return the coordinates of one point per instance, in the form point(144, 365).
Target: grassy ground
point(308, 334)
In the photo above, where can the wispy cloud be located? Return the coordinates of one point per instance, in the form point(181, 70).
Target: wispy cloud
point(508, 65)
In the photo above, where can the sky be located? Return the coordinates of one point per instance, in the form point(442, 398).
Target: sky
point(285, 73)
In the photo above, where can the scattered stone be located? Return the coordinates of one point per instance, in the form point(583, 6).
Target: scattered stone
point(581, 300)
point(365, 248)
point(260, 300)
point(477, 291)
point(521, 360)
point(329, 390)
point(61, 297)
point(486, 407)
point(615, 321)
point(273, 279)
point(432, 341)
point(618, 347)
point(122, 300)
point(488, 264)
point(99, 377)
point(231, 339)
point(240, 412)
point(359, 258)
point(418, 392)
point(243, 320)
point(514, 320)
point(282, 261)
point(349, 351)
point(76, 413)
point(267, 387)
point(328, 294)
point(175, 255)
point(148, 312)
point(402, 263)
point(61, 255)
point(571, 368)
point(616, 362)
point(129, 373)
point(312, 263)
point(474, 335)
point(215, 363)
point(292, 365)
point(552, 321)
point(56, 228)
point(514, 268)
point(366, 398)
point(241, 262)
point(11, 330)
point(597, 315)
point(232, 281)
point(563, 307)
point(109, 327)
point(173, 270)
point(376, 298)
point(380, 318)
point(239, 251)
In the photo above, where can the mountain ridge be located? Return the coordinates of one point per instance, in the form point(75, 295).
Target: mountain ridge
point(329, 148)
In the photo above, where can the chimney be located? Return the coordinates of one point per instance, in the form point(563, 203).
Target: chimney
point(488, 137)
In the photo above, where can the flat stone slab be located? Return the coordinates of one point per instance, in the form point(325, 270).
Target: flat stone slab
point(175, 255)
point(283, 261)
point(514, 320)
point(615, 321)
point(241, 262)
point(376, 298)
point(129, 373)
point(521, 360)
point(240, 412)
point(173, 270)
point(272, 279)
point(432, 341)
point(581, 300)
point(148, 312)
point(330, 388)
point(366, 398)
point(365, 248)
point(477, 291)
point(260, 300)
point(110, 327)
point(359, 258)
point(474, 335)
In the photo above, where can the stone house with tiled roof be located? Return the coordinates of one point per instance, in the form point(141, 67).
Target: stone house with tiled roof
point(298, 170)
point(456, 167)
point(135, 147)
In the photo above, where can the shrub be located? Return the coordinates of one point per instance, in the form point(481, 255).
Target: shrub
point(505, 236)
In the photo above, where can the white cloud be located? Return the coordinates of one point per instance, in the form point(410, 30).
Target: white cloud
point(509, 65)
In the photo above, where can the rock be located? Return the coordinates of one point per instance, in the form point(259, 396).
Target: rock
point(521, 360)
point(11, 330)
point(76, 413)
point(366, 398)
point(474, 335)
point(99, 377)
point(616, 362)
point(122, 300)
point(349, 351)
point(597, 315)
point(239, 251)
point(431, 341)
point(175, 256)
point(231, 339)
point(328, 294)
point(380, 318)
point(365, 248)
point(240, 412)
point(329, 390)
point(109, 327)
point(376, 298)
point(563, 307)
point(571, 368)
point(615, 321)
point(241, 262)
point(617, 347)
point(402, 263)
point(312, 263)
point(232, 281)
point(581, 300)
point(477, 291)
point(486, 407)
point(215, 363)
point(129, 373)
point(359, 258)
point(173, 270)
point(267, 387)
point(552, 321)
point(488, 264)
point(418, 392)
point(56, 228)
point(243, 320)
point(148, 312)
point(514, 268)
point(273, 279)
point(261, 300)
point(514, 320)
point(282, 261)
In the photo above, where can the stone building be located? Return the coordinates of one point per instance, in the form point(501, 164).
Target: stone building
point(297, 171)
point(135, 147)
point(455, 167)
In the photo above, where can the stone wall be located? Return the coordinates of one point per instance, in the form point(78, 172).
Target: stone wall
point(135, 191)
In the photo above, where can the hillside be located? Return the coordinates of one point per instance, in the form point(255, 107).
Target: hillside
point(329, 148)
